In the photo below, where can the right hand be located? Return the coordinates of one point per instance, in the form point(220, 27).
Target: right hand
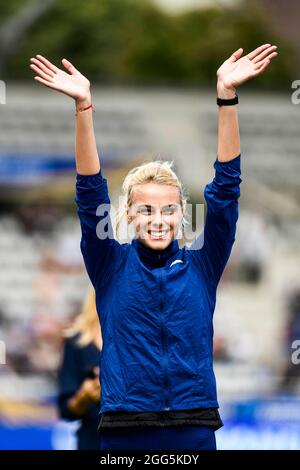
point(91, 390)
point(73, 84)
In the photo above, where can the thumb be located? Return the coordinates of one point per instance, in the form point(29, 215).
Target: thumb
point(236, 55)
point(70, 67)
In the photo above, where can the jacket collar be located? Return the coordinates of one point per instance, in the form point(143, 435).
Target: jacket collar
point(155, 258)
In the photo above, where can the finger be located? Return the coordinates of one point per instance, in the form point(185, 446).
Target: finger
point(264, 54)
point(41, 73)
point(261, 63)
point(70, 67)
point(257, 51)
point(47, 63)
point(96, 383)
point(261, 68)
point(42, 67)
point(236, 55)
point(46, 82)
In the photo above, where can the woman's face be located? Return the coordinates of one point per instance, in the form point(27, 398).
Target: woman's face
point(156, 214)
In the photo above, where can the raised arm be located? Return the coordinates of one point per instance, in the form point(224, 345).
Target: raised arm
point(75, 85)
point(212, 248)
point(101, 252)
point(232, 73)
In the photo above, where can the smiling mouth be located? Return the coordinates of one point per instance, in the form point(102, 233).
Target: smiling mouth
point(158, 234)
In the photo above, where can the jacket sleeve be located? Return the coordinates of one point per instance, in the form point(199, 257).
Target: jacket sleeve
point(213, 246)
point(101, 252)
point(68, 380)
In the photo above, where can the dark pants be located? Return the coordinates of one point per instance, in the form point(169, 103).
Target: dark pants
point(155, 438)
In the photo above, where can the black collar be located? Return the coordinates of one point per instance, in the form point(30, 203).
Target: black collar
point(155, 258)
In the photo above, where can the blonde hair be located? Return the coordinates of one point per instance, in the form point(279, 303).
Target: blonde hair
point(87, 323)
point(156, 171)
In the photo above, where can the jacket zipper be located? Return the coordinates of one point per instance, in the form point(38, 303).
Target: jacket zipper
point(164, 345)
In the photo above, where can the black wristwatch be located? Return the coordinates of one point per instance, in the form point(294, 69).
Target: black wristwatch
point(230, 102)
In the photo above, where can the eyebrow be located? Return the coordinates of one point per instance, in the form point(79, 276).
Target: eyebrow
point(164, 207)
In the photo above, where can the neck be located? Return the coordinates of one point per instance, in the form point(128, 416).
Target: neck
point(155, 258)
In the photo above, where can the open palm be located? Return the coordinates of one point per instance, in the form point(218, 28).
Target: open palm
point(73, 84)
point(237, 69)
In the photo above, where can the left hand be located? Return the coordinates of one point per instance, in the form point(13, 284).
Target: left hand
point(237, 69)
point(91, 388)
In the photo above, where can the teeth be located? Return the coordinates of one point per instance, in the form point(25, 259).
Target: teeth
point(158, 234)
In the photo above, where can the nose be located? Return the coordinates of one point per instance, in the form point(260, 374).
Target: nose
point(157, 219)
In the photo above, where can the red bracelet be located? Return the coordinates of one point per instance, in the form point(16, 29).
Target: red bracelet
point(85, 109)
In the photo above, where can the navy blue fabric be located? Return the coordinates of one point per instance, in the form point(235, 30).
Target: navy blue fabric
point(168, 438)
point(156, 318)
point(76, 362)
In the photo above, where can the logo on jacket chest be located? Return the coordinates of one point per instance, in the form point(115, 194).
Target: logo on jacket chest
point(175, 262)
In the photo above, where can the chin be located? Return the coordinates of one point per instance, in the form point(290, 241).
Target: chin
point(157, 244)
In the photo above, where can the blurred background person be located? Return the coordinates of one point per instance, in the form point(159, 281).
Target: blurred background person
point(291, 374)
point(79, 388)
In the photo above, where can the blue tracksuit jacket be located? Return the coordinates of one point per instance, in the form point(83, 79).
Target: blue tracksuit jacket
point(156, 317)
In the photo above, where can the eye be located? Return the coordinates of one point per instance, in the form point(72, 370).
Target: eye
point(144, 210)
point(169, 210)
